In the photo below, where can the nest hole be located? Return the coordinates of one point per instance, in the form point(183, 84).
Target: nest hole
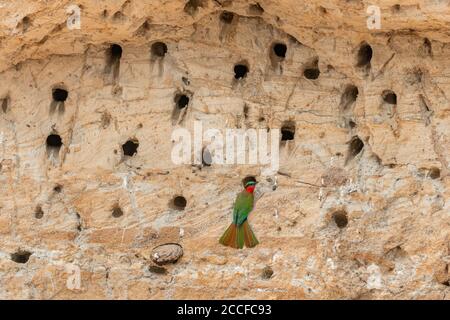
point(57, 188)
point(288, 131)
point(227, 17)
point(54, 142)
point(21, 256)
point(115, 52)
point(355, 146)
point(192, 6)
point(427, 47)
point(179, 203)
point(434, 173)
point(59, 94)
point(340, 219)
point(38, 212)
point(245, 111)
point(182, 101)
point(116, 211)
point(5, 104)
point(130, 147)
point(240, 71)
point(279, 49)
point(311, 73)
point(118, 16)
point(389, 97)
point(364, 55)
point(26, 23)
point(267, 273)
point(349, 96)
point(159, 49)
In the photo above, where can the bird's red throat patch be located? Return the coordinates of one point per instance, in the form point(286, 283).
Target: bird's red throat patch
point(250, 189)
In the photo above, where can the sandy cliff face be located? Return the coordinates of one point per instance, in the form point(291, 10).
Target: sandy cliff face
point(359, 208)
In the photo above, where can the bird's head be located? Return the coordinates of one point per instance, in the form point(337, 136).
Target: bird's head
point(250, 186)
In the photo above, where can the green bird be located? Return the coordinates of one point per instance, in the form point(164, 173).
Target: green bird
point(240, 232)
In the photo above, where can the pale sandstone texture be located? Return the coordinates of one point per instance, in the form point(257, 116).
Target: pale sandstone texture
point(359, 208)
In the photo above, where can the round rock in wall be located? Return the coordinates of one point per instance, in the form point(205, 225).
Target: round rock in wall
point(167, 253)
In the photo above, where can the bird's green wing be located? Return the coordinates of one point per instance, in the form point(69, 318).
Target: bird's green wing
point(242, 207)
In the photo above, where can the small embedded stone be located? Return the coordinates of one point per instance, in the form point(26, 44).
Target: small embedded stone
point(167, 253)
point(267, 273)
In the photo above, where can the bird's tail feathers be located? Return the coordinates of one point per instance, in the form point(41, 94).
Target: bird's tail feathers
point(229, 237)
point(237, 236)
point(249, 237)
